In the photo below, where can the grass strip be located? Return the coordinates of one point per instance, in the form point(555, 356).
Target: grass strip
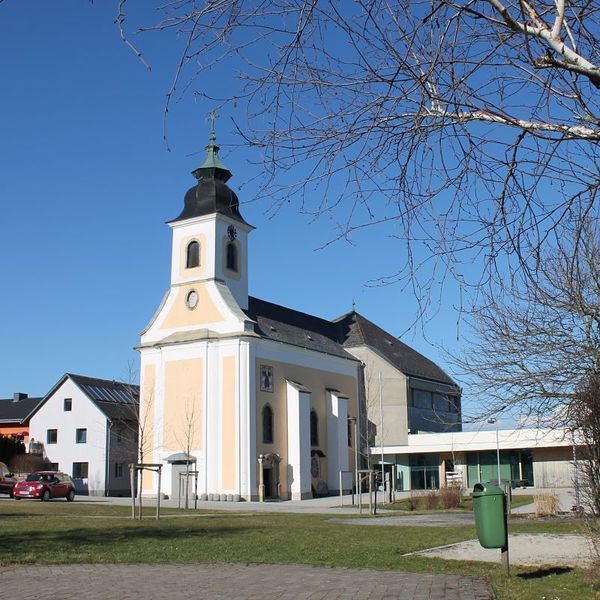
point(61, 533)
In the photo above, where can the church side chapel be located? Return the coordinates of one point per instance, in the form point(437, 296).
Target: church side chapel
point(255, 399)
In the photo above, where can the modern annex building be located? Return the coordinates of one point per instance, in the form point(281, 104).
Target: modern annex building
point(260, 399)
point(542, 458)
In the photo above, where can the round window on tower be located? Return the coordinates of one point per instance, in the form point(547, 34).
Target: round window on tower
point(191, 300)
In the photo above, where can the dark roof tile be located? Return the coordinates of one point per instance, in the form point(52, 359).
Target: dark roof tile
point(17, 410)
point(356, 330)
point(281, 324)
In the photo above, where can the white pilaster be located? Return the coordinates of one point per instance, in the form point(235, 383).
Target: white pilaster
point(298, 430)
point(337, 439)
point(249, 489)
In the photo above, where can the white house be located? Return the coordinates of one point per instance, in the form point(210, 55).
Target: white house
point(88, 428)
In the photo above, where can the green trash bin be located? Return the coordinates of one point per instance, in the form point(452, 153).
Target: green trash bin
point(489, 506)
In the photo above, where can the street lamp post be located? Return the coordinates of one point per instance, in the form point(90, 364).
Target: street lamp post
point(354, 420)
point(495, 422)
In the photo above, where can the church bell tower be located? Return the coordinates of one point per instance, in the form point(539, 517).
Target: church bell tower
point(210, 236)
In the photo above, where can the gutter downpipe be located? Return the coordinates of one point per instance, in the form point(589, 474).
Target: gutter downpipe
point(107, 461)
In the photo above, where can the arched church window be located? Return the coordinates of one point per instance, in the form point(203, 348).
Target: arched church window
point(267, 419)
point(314, 428)
point(193, 255)
point(232, 257)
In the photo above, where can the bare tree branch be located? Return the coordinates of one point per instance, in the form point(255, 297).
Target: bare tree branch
point(467, 129)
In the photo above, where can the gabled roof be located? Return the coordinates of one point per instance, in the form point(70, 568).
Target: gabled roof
point(356, 330)
point(281, 324)
point(17, 411)
point(117, 400)
point(105, 390)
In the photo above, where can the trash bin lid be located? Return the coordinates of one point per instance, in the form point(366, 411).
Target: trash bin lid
point(487, 489)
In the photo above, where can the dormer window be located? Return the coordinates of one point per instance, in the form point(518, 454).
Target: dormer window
point(193, 255)
point(232, 257)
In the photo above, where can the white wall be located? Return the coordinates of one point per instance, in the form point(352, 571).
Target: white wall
point(84, 414)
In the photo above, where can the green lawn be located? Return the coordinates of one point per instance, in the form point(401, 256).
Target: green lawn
point(57, 532)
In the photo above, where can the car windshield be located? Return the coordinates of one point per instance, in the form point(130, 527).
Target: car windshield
point(39, 477)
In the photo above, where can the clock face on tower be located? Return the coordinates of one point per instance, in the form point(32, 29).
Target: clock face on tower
point(191, 300)
point(232, 232)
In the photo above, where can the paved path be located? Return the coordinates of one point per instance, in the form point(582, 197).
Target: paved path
point(232, 581)
point(524, 549)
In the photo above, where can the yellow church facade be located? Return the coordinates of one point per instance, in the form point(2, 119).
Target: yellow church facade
point(253, 397)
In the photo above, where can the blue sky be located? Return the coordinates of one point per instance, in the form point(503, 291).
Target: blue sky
point(87, 183)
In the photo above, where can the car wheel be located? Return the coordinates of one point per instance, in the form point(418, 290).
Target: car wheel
point(45, 496)
point(17, 497)
point(70, 496)
point(11, 494)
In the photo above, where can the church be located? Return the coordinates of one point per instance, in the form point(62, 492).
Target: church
point(258, 400)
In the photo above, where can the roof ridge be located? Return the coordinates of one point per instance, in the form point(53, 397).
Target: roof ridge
point(399, 353)
point(360, 327)
point(75, 376)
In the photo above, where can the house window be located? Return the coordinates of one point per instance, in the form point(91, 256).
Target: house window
point(80, 470)
point(51, 436)
point(232, 258)
point(68, 404)
point(118, 470)
point(314, 428)
point(53, 467)
point(267, 419)
point(193, 255)
point(349, 424)
point(80, 436)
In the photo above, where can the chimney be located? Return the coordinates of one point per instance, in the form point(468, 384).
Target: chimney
point(19, 396)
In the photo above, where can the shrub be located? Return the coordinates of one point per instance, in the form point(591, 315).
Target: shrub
point(450, 497)
point(417, 501)
point(10, 446)
point(591, 529)
point(546, 505)
point(444, 498)
point(432, 500)
point(27, 463)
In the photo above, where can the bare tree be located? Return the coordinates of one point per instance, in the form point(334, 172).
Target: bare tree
point(467, 129)
point(138, 423)
point(187, 437)
point(536, 343)
point(584, 416)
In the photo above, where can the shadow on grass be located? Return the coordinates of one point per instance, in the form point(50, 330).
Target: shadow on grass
point(540, 573)
point(42, 542)
point(25, 515)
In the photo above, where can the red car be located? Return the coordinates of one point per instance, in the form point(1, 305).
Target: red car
point(44, 485)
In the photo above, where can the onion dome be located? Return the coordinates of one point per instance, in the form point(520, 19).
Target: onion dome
point(211, 194)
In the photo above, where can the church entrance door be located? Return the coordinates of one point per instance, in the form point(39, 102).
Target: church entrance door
point(182, 484)
point(268, 481)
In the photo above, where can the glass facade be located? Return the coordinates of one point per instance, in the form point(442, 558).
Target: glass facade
point(424, 471)
point(514, 465)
